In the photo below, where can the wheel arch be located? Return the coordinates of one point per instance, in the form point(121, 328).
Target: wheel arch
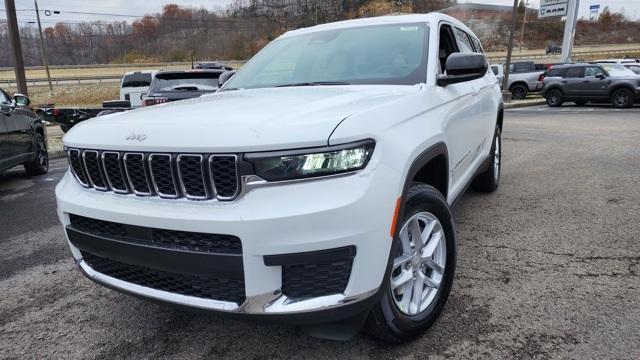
point(430, 167)
point(621, 86)
point(519, 82)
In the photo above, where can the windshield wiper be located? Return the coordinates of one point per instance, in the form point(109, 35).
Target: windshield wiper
point(316, 83)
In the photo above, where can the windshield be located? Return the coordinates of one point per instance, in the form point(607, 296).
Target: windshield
point(617, 70)
point(186, 81)
point(136, 80)
point(386, 54)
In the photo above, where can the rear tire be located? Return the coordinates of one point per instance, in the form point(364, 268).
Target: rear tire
point(622, 98)
point(519, 91)
point(489, 180)
point(554, 98)
point(39, 165)
point(431, 276)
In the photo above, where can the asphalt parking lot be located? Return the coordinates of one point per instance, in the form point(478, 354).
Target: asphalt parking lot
point(548, 267)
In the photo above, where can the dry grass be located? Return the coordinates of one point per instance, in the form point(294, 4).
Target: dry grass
point(90, 95)
point(98, 71)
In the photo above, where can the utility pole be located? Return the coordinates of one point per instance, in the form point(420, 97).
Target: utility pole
point(569, 30)
point(524, 21)
point(514, 13)
point(16, 48)
point(43, 48)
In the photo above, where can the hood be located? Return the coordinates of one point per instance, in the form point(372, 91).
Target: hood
point(235, 121)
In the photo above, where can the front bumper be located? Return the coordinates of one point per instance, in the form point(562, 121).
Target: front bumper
point(348, 211)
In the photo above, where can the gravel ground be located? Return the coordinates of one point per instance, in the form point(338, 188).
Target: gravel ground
point(548, 267)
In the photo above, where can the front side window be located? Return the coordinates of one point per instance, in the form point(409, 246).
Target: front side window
point(593, 71)
point(383, 54)
point(464, 43)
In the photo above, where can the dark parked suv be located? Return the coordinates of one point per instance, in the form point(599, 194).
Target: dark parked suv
point(22, 136)
point(598, 83)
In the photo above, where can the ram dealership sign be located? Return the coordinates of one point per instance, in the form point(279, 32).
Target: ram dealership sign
point(553, 8)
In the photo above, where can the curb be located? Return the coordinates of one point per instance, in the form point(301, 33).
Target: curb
point(524, 104)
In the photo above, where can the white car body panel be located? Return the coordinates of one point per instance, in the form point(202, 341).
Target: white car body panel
point(320, 214)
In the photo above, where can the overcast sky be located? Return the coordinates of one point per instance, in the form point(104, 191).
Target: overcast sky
point(128, 10)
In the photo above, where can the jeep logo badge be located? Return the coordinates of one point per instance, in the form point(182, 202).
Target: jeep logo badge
point(139, 137)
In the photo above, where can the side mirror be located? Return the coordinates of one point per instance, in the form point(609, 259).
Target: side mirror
point(21, 100)
point(601, 76)
point(225, 76)
point(463, 67)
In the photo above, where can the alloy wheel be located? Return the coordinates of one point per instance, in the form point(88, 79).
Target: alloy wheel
point(419, 268)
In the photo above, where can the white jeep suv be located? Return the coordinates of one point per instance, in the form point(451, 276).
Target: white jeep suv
point(315, 187)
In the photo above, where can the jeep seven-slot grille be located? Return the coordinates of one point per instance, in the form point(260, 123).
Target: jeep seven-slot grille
point(207, 287)
point(166, 175)
point(162, 238)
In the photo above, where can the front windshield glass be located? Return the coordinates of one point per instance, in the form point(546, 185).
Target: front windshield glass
point(383, 54)
point(617, 70)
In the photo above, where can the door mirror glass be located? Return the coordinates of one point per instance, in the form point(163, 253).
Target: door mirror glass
point(21, 100)
point(461, 67)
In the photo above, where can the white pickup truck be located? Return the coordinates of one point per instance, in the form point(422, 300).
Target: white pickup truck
point(314, 188)
point(135, 85)
point(524, 77)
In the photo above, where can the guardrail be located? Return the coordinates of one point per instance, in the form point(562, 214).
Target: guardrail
point(575, 55)
point(91, 79)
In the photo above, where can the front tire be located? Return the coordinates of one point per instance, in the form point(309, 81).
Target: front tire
point(622, 98)
point(422, 269)
point(489, 180)
point(39, 165)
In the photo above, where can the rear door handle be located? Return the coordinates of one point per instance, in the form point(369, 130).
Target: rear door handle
point(564, 81)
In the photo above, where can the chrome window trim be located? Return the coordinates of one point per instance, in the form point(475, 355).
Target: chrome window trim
point(173, 176)
point(100, 170)
point(213, 180)
point(204, 180)
point(122, 173)
point(73, 172)
point(146, 176)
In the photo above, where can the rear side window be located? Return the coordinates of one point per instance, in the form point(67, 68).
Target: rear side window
point(522, 67)
point(556, 72)
point(136, 80)
point(464, 42)
point(575, 72)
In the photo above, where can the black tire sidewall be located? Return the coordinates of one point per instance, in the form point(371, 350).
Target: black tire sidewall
point(550, 94)
point(425, 199)
point(629, 98)
point(514, 91)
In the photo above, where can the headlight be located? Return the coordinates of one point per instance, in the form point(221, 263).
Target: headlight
point(305, 163)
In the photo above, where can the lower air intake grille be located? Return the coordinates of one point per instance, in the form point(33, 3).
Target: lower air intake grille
point(183, 284)
point(313, 280)
point(167, 239)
